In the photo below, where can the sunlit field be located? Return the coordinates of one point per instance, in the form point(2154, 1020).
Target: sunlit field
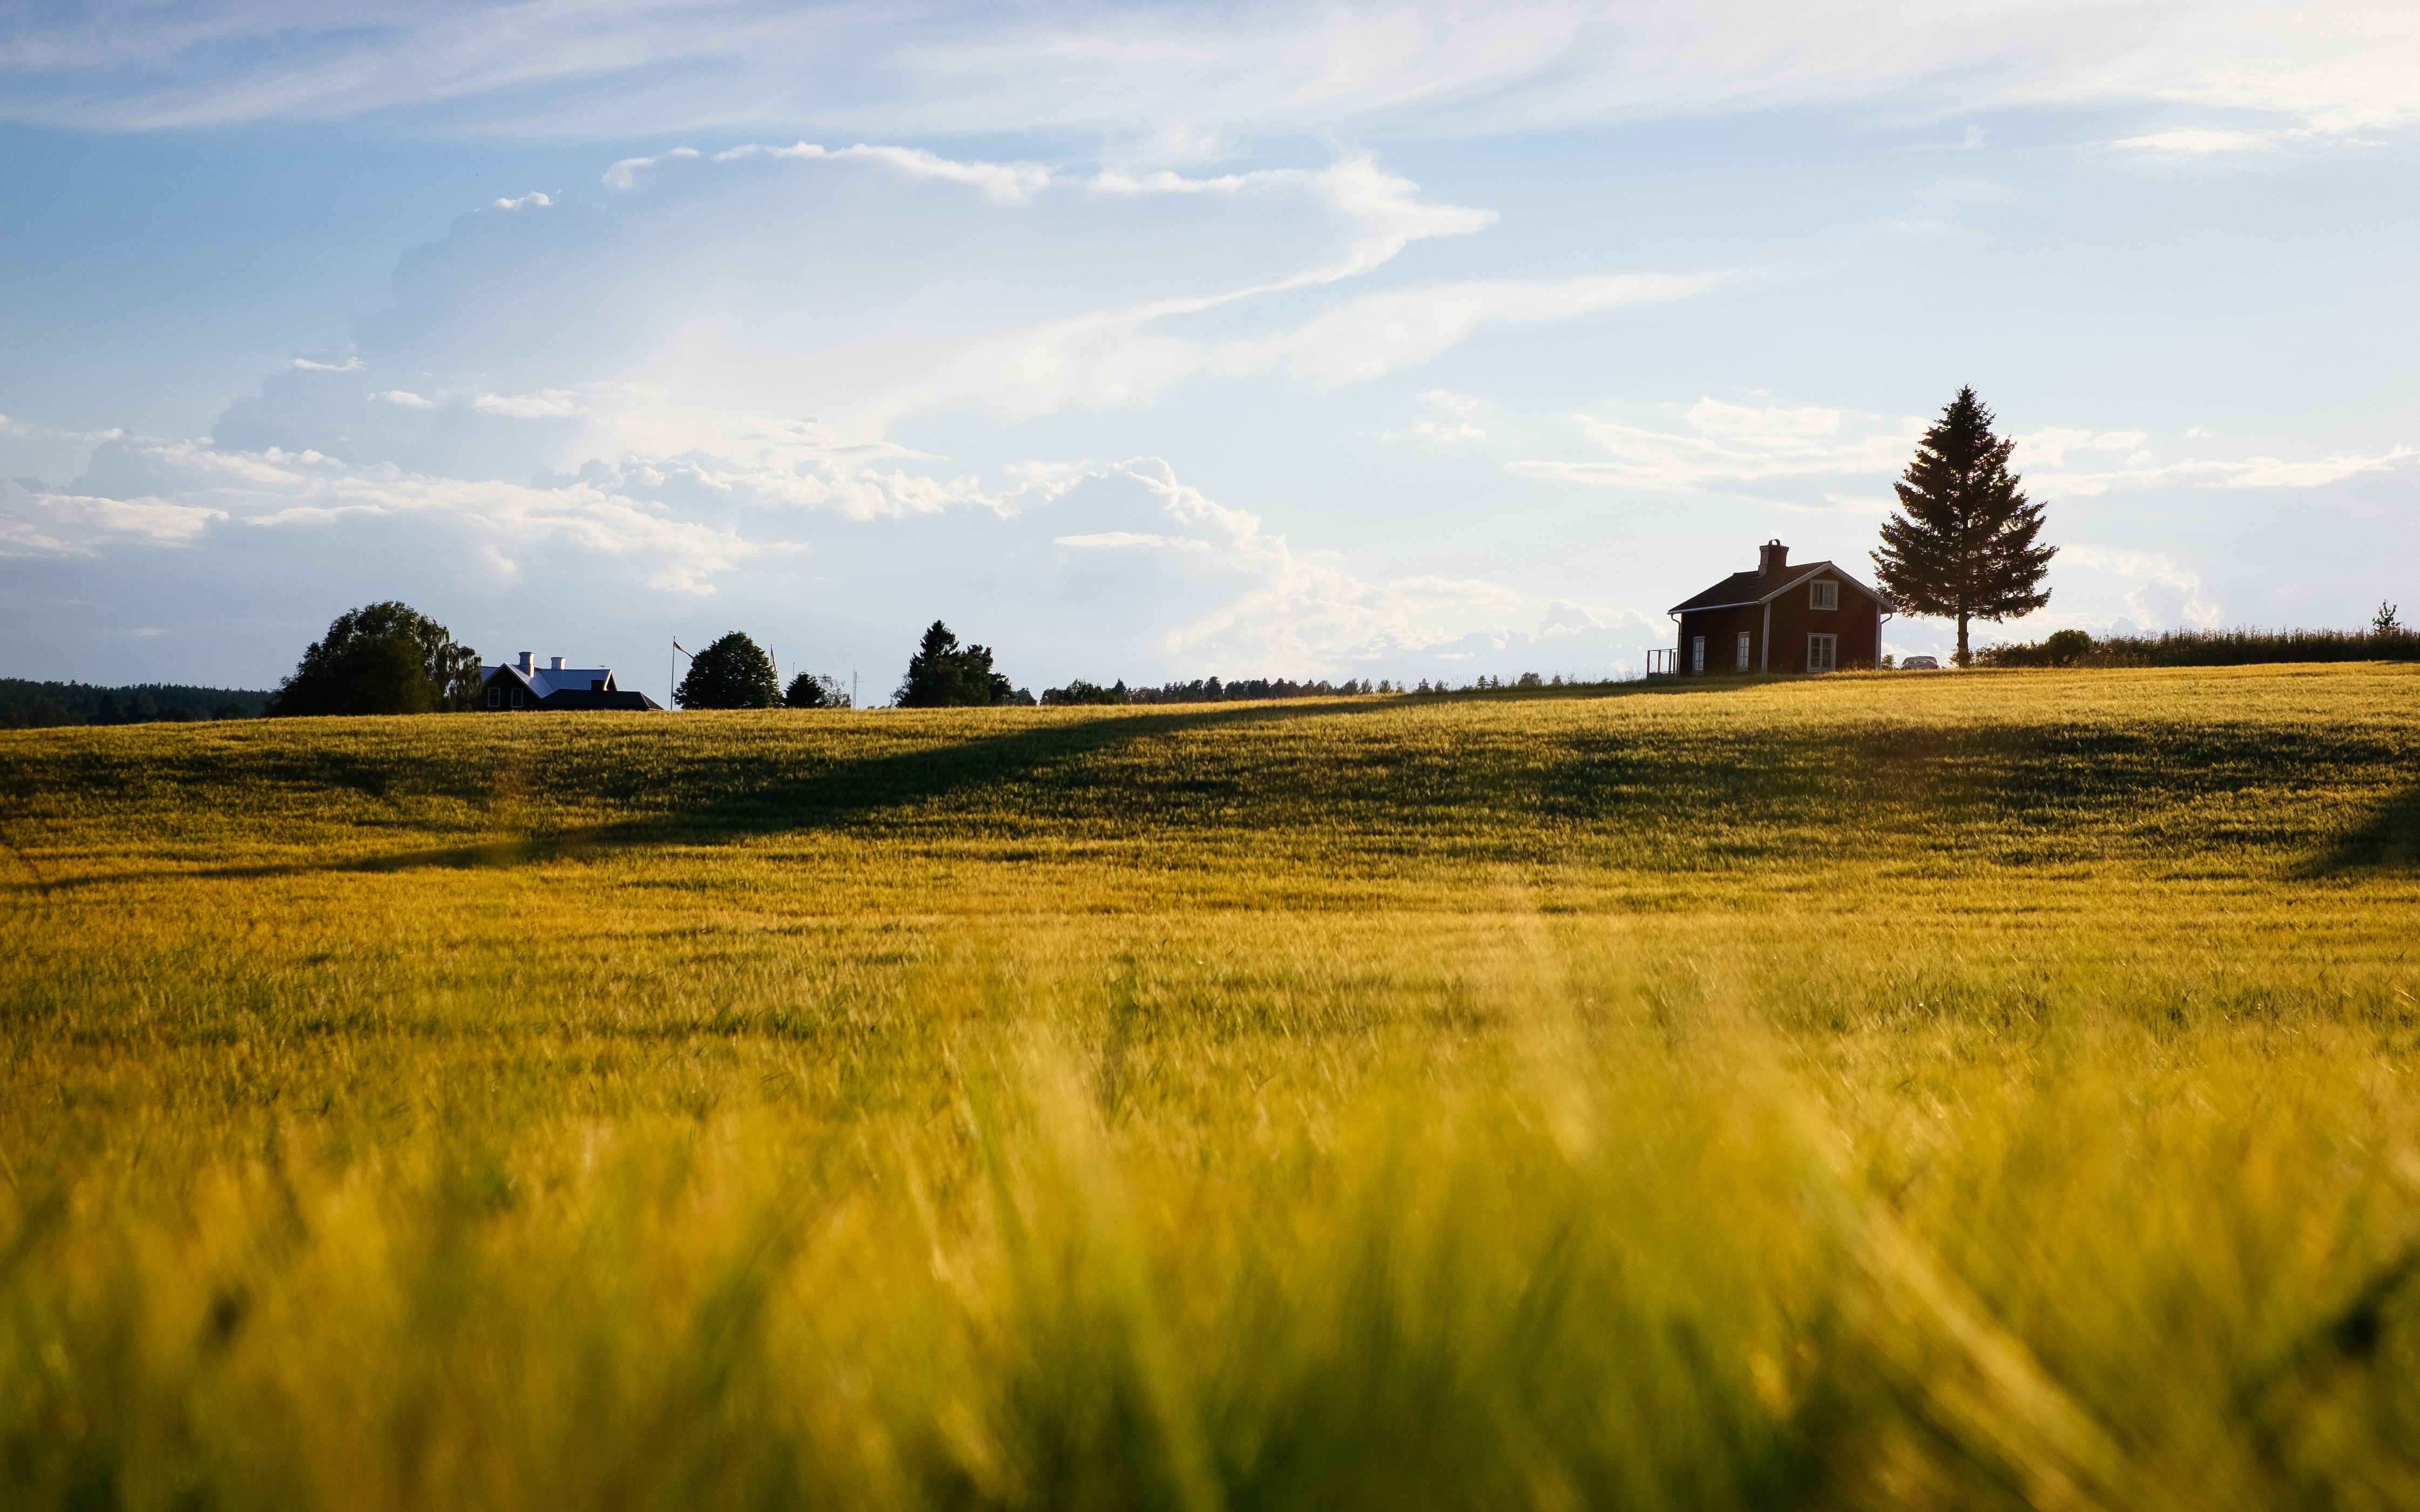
point(1965, 1091)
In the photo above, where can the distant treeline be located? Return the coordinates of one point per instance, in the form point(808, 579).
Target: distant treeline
point(1213, 691)
point(2206, 648)
point(25, 705)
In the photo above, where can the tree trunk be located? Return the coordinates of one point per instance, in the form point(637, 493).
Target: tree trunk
point(1962, 639)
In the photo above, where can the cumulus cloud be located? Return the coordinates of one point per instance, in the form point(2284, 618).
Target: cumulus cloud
point(2158, 592)
point(1121, 569)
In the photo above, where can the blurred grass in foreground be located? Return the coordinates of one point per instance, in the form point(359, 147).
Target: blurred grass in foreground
point(1875, 1092)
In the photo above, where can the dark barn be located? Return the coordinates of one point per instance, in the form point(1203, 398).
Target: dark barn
point(507, 687)
point(1812, 618)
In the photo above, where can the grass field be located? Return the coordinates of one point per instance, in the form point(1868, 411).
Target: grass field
point(1970, 1091)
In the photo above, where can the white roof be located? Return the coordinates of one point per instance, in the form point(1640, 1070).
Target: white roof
point(546, 680)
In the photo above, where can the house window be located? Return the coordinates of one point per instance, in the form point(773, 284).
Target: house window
point(1822, 652)
point(1740, 661)
point(1826, 595)
point(517, 698)
point(1697, 653)
point(495, 698)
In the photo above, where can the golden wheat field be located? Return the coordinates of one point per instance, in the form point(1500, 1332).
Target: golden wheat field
point(1976, 1090)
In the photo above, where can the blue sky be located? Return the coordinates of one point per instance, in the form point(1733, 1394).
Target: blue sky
point(1159, 341)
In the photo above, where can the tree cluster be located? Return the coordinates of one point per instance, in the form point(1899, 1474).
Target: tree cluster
point(943, 674)
point(382, 658)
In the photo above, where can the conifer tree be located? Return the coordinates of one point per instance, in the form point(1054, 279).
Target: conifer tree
point(1962, 543)
point(943, 674)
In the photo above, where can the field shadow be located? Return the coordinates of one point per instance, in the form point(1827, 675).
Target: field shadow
point(735, 807)
point(2387, 841)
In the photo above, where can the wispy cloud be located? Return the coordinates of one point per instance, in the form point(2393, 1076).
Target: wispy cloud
point(1172, 75)
point(1729, 446)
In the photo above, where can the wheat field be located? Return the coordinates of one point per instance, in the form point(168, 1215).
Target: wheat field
point(1974, 1090)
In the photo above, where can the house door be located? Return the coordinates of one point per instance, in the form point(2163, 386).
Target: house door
point(1741, 660)
point(1822, 652)
point(1697, 653)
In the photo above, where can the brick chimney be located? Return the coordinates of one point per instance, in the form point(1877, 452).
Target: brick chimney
point(1772, 557)
point(558, 664)
point(525, 664)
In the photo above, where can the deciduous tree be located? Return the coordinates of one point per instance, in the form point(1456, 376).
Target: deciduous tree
point(1963, 543)
point(381, 659)
point(732, 673)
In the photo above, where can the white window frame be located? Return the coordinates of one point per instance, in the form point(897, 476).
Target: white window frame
point(1822, 652)
point(495, 698)
point(1741, 660)
point(517, 698)
point(1696, 654)
point(1825, 594)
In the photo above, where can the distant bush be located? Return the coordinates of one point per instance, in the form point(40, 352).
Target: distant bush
point(2208, 648)
point(1079, 691)
point(809, 691)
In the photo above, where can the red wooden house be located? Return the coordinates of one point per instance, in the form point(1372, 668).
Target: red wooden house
point(1813, 618)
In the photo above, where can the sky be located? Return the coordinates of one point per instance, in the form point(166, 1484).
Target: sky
point(1153, 341)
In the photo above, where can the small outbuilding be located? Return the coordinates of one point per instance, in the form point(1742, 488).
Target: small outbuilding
point(509, 685)
point(1813, 618)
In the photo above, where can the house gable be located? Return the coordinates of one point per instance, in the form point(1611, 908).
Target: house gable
point(1781, 619)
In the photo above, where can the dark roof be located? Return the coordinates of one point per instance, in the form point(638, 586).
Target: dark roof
point(587, 698)
point(1742, 589)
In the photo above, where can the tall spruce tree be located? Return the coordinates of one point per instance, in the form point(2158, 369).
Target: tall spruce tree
point(1962, 543)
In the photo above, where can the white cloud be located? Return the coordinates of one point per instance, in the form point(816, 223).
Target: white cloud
point(624, 173)
point(551, 403)
point(405, 397)
point(1164, 77)
point(1731, 446)
point(50, 523)
point(196, 487)
point(2142, 470)
point(350, 364)
point(1443, 433)
point(2160, 592)
point(2198, 142)
point(530, 200)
